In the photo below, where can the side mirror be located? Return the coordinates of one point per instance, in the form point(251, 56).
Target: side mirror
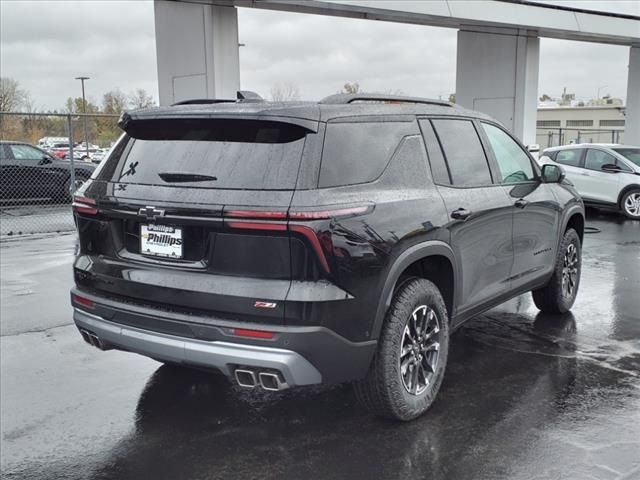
point(45, 160)
point(611, 168)
point(552, 173)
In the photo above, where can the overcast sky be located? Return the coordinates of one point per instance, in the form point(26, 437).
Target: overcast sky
point(45, 44)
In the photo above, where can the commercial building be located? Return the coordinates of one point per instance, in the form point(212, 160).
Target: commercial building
point(589, 124)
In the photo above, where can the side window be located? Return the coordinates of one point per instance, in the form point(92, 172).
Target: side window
point(25, 152)
point(569, 157)
point(463, 152)
point(513, 162)
point(439, 170)
point(595, 159)
point(358, 152)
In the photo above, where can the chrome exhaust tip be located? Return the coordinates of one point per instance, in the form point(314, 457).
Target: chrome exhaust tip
point(245, 378)
point(94, 340)
point(271, 381)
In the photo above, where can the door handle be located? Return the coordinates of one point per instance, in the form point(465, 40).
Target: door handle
point(461, 214)
point(521, 203)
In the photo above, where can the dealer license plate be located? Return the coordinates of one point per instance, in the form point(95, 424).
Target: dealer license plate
point(161, 240)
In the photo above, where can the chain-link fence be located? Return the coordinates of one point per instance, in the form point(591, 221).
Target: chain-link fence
point(43, 159)
point(553, 137)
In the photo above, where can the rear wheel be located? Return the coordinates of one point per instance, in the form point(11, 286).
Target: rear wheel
point(560, 293)
point(631, 204)
point(408, 368)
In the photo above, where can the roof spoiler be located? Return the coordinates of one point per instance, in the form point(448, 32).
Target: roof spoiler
point(241, 96)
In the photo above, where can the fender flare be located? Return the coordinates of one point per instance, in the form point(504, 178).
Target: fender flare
point(406, 258)
point(567, 215)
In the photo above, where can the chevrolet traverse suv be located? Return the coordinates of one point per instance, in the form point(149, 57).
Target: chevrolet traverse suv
point(290, 244)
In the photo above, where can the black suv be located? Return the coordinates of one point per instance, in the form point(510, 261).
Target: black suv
point(29, 173)
point(291, 244)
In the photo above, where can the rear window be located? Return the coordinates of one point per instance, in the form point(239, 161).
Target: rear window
point(226, 154)
point(464, 153)
point(569, 157)
point(358, 152)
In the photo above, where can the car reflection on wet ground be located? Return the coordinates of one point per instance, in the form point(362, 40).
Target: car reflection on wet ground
point(526, 395)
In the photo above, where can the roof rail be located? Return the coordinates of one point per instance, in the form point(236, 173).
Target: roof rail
point(203, 101)
point(346, 98)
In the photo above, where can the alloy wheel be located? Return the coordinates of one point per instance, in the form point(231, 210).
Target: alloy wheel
point(570, 271)
point(632, 204)
point(419, 350)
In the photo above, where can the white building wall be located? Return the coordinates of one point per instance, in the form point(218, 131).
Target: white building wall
point(197, 50)
point(497, 73)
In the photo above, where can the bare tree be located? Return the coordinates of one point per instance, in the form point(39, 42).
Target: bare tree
point(285, 92)
point(12, 97)
point(352, 88)
point(139, 98)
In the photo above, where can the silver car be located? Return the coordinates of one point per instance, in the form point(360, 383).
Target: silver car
point(605, 175)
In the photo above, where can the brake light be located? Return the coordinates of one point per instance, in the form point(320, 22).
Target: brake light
point(267, 215)
point(311, 235)
point(243, 332)
point(84, 205)
point(85, 302)
point(246, 220)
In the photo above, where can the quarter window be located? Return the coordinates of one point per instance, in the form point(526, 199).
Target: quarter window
point(569, 157)
point(358, 152)
point(463, 151)
point(513, 162)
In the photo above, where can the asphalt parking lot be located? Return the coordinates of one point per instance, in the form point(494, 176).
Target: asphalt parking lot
point(526, 396)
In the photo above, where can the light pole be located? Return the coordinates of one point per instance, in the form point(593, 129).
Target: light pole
point(600, 88)
point(84, 112)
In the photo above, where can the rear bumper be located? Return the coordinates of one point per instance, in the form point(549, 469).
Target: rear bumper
point(224, 356)
point(304, 355)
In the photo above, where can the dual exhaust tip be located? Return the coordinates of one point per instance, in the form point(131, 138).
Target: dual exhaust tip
point(93, 339)
point(271, 381)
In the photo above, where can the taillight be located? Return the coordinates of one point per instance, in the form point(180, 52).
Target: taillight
point(273, 220)
point(85, 302)
point(84, 205)
point(243, 332)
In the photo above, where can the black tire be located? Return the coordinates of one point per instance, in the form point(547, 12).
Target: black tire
point(558, 296)
point(630, 205)
point(384, 391)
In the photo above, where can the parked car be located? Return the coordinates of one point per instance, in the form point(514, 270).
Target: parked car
point(605, 175)
point(303, 243)
point(59, 150)
point(29, 173)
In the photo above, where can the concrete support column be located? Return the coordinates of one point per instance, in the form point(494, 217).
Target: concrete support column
point(497, 73)
point(197, 49)
point(632, 120)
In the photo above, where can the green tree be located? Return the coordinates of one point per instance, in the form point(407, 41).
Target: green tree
point(114, 101)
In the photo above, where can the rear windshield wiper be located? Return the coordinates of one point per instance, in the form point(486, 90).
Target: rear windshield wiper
point(175, 177)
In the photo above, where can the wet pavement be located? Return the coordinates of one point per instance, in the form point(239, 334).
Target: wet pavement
point(526, 395)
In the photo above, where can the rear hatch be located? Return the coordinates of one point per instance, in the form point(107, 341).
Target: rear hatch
point(165, 222)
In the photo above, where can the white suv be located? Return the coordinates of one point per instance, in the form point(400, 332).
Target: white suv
point(605, 175)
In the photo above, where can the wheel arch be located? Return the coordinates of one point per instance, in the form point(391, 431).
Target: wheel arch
point(423, 260)
point(624, 191)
